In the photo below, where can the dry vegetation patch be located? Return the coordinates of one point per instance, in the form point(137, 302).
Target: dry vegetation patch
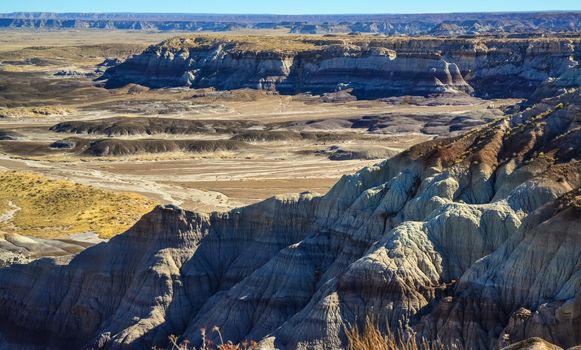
point(243, 43)
point(51, 208)
point(370, 337)
point(296, 43)
point(35, 112)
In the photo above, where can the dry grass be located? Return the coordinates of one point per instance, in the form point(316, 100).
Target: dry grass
point(372, 338)
point(54, 208)
point(207, 344)
point(292, 44)
point(35, 112)
point(243, 43)
point(75, 42)
point(22, 69)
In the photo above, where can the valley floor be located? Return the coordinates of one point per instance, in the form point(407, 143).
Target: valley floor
point(37, 94)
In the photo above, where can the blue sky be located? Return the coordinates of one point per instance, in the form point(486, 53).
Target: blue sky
point(287, 6)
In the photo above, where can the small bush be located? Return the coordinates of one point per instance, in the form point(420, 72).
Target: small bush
point(372, 338)
point(207, 344)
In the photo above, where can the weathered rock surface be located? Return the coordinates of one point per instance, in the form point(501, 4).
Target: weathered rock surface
point(369, 67)
point(8, 135)
point(473, 239)
point(115, 147)
point(15, 248)
point(123, 126)
point(533, 344)
point(441, 124)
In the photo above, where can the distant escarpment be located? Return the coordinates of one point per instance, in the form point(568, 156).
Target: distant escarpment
point(522, 23)
point(473, 240)
point(370, 67)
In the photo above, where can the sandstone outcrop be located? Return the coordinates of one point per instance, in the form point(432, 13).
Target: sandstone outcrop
point(472, 239)
point(15, 248)
point(533, 344)
point(368, 67)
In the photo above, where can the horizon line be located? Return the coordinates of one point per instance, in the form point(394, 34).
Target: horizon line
point(295, 14)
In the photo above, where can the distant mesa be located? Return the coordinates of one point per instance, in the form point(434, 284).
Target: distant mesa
point(403, 24)
point(341, 68)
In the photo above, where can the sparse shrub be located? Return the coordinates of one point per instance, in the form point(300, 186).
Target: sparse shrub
point(207, 344)
point(372, 338)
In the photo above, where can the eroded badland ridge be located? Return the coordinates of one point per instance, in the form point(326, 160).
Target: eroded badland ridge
point(369, 67)
point(473, 240)
point(403, 241)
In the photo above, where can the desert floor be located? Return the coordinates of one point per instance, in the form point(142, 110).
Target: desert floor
point(45, 79)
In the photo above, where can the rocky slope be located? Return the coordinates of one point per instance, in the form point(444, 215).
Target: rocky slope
point(473, 239)
point(371, 67)
point(15, 248)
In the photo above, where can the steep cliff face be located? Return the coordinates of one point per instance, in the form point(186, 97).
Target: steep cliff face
point(531, 284)
point(371, 67)
point(472, 239)
point(367, 72)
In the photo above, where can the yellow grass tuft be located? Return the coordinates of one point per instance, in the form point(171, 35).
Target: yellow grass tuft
point(372, 338)
point(243, 43)
point(51, 208)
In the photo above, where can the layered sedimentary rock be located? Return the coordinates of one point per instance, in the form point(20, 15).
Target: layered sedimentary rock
point(473, 240)
point(112, 147)
point(371, 67)
point(15, 248)
point(532, 281)
point(123, 126)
